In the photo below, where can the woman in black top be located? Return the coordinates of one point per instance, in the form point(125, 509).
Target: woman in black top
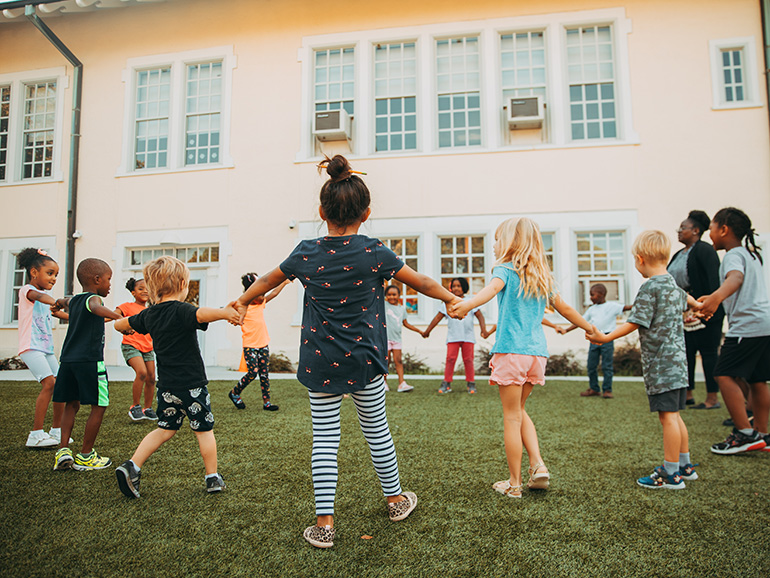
point(696, 270)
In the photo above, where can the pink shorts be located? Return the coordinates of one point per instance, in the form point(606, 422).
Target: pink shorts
point(394, 345)
point(515, 369)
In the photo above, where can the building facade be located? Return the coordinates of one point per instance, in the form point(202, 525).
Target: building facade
point(202, 123)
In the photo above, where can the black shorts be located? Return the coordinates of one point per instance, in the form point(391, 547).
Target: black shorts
point(673, 400)
point(745, 357)
point(175, 404)
point(83, 381)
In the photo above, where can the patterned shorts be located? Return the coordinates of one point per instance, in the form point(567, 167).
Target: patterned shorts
point(175, 404)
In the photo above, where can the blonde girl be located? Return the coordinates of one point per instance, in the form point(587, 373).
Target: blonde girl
point(523, 284)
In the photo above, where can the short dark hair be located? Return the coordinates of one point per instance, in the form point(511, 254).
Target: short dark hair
point(600, 287)
point(463, 283)
point(700, 220)
point(32, 258)
point(394, 287)
point(248, 279)
point(344, 197)
point(740, 224)
point(90, 268)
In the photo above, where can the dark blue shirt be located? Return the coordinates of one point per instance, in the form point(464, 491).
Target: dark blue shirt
point(85, 333)
point(343, 344)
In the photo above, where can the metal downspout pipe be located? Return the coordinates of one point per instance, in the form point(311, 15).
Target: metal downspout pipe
point(72, 193)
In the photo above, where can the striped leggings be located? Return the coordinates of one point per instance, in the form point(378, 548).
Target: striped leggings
point(325, 411)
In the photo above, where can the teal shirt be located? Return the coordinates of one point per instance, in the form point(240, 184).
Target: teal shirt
point(519, 318)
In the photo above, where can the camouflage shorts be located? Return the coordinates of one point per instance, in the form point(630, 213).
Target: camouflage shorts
point(175, 404)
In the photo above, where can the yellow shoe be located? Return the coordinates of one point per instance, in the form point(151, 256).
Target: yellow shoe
point(92, 461)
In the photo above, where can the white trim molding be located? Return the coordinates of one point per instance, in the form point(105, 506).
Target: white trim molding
point(751, 80)
point(9, 247)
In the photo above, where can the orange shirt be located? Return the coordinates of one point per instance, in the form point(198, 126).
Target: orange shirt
point(142, 342)
point(254, 329)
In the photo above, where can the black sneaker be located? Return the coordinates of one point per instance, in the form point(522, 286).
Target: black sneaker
point(128, 479)
point(729, 421)
point(237, 401)
point(215, 484)
point(738, 442)
point(270, 407)
point(150, 414)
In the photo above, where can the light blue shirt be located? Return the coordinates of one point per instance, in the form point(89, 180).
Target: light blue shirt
point(519, 318)
point(748, 309)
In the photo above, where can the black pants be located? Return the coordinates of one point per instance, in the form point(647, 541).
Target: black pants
point(706, 341)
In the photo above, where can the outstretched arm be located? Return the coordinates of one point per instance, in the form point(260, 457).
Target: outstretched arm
point(229, 313)
point(482, 323)
point(95, 306)
point(424, 284)
point(274, 293)
point(599, 337)
point(710, 303)
point(433, 322)
point(480, 298)
point(261, 286)
point(558, 328)
point(570, 314)
point(123, 326)
point(411, 327)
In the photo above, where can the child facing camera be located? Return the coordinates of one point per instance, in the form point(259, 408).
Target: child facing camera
point(182, 381)
point(657, 314)
point(395, 319)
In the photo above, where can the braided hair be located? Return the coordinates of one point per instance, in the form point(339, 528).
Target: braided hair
point(248, 280)
point(32, 258)
point(740, 224)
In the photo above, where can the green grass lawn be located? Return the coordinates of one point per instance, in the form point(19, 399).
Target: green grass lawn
point(594, 521)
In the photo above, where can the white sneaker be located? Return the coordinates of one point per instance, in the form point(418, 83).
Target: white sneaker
point(403, 387)
point(386, 386)
point(40, 439)
point(55, 433)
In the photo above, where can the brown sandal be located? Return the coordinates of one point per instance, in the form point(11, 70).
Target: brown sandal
point(538, 477)
point(505, 488)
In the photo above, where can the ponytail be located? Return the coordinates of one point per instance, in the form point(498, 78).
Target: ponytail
point(740, 224)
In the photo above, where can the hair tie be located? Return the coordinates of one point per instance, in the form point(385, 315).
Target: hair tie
point(43, 252)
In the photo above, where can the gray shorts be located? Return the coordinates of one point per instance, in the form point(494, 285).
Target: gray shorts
point(129, 351)
point(41, 364)
point(673, 400)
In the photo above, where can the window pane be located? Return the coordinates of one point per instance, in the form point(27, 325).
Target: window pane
point(334, 79)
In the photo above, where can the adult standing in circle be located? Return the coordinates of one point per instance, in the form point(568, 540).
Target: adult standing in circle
point(695, 269)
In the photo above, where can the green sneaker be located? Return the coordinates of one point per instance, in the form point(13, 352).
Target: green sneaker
point(63, 460)
point(92, 461)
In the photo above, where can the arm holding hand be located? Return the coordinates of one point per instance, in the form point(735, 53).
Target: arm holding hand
point(480, 298)
point(490, 330)
point(123, 326)
point(411, 327)
point(274, 293)
point(95, 306)
point(261, 286)
point(710, 303)
point(482, 323)
point(597, 336)
point(558, 328)
point(433, 322)
point(228, 313)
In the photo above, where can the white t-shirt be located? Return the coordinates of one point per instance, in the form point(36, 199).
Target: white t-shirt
point(394, 321)
point(604, 315)
point(459, 330)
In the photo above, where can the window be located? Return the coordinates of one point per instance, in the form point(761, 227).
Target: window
point(601, 259)
point(178, 111)
point(732, 64)
point(406, 249)
point(458, 81)
point(20, 277)
point(38, 131)
point(463, 256)
point(591, 74)
point(522, 64)
point(335, 79)
point(395, 92)
point(548, 239)
point(5, 114)
point(140, 256)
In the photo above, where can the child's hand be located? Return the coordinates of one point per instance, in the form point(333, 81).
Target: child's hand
point(425, 334)
point(458, 308)
point(128, 331)
point(489, 331)
point(560, 330)
point(232, 313)
point(708, 306)
point(58, 305)
point(595, 336)
point(241, 308)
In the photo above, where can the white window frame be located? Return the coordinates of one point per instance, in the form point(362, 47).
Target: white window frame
point(176, 139)
point(493, 138)
point(9, 249)
point(585, 281)
point(404, 95)
point(15, 156)
point(751, 79)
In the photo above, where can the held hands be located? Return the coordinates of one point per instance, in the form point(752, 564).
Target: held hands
point(241, 309)
point(59, 305)
point(706, 306)
point(560, 330)
point(595, 336)
point(490, 330)
point(234, 313)
point(458, 308)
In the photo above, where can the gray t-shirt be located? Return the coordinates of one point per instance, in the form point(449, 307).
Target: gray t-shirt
point(748, 309)
point(678, 269)
point(658, 312)
point(394, 320)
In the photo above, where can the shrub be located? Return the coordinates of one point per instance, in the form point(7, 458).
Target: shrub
point(12, 363)
point(628, 359)
point(279, 363)
point(413, 364)
point(483, 355)
point(564, 364)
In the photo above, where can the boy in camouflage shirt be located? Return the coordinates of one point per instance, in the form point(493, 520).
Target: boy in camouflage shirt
point(657, 314)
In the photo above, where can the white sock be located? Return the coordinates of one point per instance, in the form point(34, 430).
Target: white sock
point(138, 469)
point(747, 431)
point(214, 475)
point(684, 459)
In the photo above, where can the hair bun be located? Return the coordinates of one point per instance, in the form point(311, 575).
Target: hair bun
point(337, 167)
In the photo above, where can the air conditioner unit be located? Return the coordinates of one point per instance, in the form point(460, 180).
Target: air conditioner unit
point(331, 125)
point(525, 112)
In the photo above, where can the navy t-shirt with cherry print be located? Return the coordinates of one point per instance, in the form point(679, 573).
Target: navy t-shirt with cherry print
point(343, 343)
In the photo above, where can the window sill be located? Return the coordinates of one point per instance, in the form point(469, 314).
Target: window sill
point(227, 165)
point(55, 179)
point(737, 105)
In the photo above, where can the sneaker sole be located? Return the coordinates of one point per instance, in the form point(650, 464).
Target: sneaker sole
point(413, 499)
point(692, 476)
point(82, 468)
point(216, 489)
point(63, 465)
point(316, 543)
point(124, 483)
point(663, 487)
point(135, 418)
point(46, 444)
point(740, 449)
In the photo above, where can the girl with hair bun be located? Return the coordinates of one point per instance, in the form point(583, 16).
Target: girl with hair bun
point(36, 340)
point(139, 355)
point(343, 342)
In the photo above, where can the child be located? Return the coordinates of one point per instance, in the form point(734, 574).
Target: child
point(523, 283)
point(745, 352)
point(395, 318)
point(343, 346)
point(657, 314)
point(460, 337)
point(172, 323)
point(138, 353)
point(603, 314)
point(82, 376)
point(36, 340)
point(256, 353)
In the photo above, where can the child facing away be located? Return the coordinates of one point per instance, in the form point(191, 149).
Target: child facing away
point(658, 315)
point(603, 314)
point(256, 353)
point(745, 353)
point(137, 351)
point(395, 319)
point(343, 342)
point(82, 375)
point(523, 284)
point(36, 340)
point(460, 338)
point(182, 381)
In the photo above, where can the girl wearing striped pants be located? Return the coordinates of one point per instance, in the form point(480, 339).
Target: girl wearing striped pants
point(343, 347)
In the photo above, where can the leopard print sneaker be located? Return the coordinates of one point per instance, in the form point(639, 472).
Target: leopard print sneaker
point(320, 537)
point(398, 511)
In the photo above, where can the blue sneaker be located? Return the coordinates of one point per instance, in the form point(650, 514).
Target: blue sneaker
point(660, 479)
point(237, 401)
point(688, 472)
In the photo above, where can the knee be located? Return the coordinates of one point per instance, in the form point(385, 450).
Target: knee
point(141, 376)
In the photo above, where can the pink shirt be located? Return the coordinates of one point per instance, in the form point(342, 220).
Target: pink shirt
point(35, 322)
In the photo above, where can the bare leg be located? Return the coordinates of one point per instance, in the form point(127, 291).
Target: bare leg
point(761, 398)
point(732, 394)
point(672, 435)
point(399, 366)
point(150, 444)
point(43, 401)
point(93, 425)
point(149, 384)
point(68, 421)
point(58, 412)
point(513, 398)
point(684, 436)
point(140, 369)
point(529, 438)
point(208, 446)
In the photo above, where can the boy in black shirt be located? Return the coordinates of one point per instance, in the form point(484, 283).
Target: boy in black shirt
point(82, 376)
point(172, 323)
